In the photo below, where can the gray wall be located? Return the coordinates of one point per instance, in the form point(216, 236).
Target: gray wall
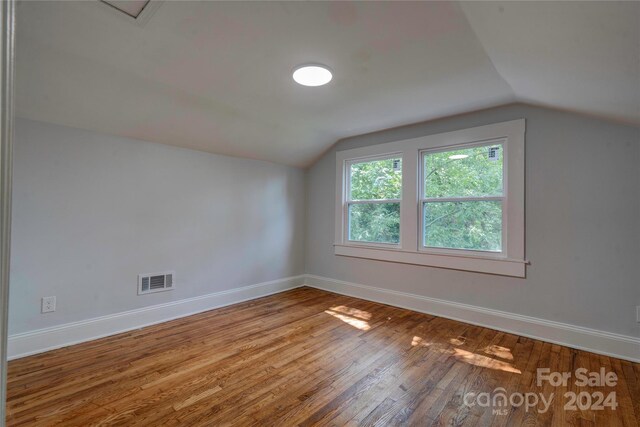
point(582, 224)
point(92, 211)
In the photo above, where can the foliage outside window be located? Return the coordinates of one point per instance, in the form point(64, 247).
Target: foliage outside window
point(375, 190)
point(462, 204)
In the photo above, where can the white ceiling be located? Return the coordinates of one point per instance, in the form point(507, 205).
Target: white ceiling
point(216, 76)
point(571, 55)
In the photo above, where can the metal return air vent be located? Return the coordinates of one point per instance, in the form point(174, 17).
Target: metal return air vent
point(158, 282)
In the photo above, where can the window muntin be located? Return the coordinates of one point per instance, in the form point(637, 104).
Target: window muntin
point(373, 203)
point(462, 206)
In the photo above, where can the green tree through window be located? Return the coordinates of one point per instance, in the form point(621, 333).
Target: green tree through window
point(374, 201)
point(462, 205)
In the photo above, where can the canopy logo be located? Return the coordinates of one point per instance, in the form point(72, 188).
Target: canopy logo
point(501, 402)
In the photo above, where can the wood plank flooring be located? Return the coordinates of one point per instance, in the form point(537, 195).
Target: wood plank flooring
point(308, 357)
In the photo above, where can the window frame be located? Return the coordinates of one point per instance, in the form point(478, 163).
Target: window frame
point(423, 199)
point(348, 201)
point(410, 250)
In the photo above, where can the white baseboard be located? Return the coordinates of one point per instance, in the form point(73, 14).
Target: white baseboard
point(41, 340)
point(606, 343)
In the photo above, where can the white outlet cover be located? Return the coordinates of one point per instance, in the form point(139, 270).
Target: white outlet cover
point(48, 304)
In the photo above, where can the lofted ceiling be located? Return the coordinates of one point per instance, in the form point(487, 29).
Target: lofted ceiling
point(216, 76)
point(570, 55)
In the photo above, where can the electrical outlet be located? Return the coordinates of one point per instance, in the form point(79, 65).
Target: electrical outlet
point(48, 304)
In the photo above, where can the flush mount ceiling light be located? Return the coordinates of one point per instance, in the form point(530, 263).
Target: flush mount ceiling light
point(458, 156)
point(312, 75)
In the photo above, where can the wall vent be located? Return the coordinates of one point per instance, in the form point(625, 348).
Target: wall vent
point(157, 282)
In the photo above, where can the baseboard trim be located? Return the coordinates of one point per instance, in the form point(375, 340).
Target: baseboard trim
point(600, 342)
point(41, 340)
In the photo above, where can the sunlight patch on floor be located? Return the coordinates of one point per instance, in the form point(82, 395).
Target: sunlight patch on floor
point(363, 325)
point(353, 312)
point(498, 351)
point(483, 361)
point(472, 358)
point(458, 341)
point(419, 342)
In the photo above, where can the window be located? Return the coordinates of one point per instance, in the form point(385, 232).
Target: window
point(453, 200)
point(373, 205)
point(462, 198)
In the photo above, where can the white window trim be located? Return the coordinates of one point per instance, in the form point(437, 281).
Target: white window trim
point(509, 262)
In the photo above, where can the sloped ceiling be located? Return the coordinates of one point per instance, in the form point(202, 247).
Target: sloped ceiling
point(216, 76)
point(570, 55)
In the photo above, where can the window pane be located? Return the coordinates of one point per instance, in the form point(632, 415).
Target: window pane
point(475, 225)
point(470, 172)
point(377, 179)
point(375, 222)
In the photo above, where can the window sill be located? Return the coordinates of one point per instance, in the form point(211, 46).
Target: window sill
point(491, 265)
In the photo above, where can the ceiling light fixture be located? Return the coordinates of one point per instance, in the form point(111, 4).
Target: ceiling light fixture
point(312, 75)
point(458, 156)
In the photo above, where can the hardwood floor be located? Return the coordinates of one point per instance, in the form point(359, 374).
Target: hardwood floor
point(308, 357)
